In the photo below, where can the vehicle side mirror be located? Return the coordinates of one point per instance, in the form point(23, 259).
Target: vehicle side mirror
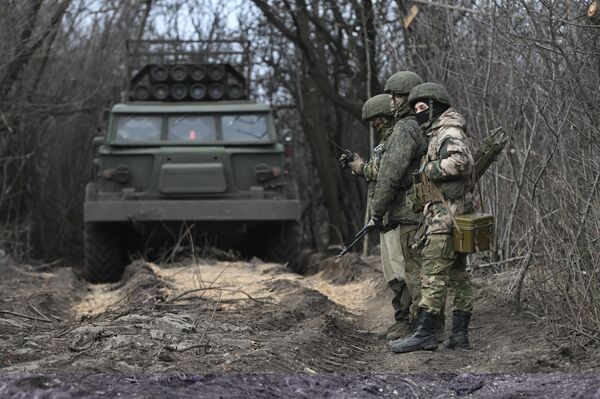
point(98, 141)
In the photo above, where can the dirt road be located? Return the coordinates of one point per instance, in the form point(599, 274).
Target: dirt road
point(160, 328)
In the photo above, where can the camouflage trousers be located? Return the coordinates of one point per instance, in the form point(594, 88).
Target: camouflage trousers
point(444, 269)
point(400, 262)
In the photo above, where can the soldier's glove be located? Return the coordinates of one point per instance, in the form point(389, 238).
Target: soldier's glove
point(357, 165)
point(345, 159)
point(377, 221)
point(433, 170)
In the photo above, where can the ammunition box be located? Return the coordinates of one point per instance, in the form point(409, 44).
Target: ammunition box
point(475, 234)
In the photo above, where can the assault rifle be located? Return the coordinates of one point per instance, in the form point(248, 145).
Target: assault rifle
point(362, 233)
point(488, 152)
point(349, 155)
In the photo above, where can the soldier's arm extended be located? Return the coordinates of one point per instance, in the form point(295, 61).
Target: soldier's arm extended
point(367, 169)
point(394, 165)
point(455, 158)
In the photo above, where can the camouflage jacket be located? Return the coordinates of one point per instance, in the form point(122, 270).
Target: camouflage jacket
point(449, 165)
point(400, 159)
point(370, 169)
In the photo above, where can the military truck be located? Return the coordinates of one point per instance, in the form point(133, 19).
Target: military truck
point(187, 153)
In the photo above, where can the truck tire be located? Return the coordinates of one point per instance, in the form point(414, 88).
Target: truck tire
point(283, 243)
point(104, 254)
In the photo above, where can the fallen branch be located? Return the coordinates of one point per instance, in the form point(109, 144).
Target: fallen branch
point(24, 316)
point(46, 265)
point(15, 323)
point(38, 312)
point(184, 294)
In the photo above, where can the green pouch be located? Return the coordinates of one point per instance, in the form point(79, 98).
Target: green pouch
point(412, 201)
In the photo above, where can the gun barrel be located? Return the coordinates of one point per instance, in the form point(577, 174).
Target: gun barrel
point(357, 238)
point(362, 233)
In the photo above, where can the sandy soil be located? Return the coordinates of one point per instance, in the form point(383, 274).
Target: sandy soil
point(163, 326)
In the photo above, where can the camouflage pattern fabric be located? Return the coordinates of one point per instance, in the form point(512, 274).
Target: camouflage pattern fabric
point(400, 262)
point(401, 301)
point(411, 263)
point(397, 158)
point(392, 265)
point(449, 164)
point(392, 259)
point(371, 169)
point(443, 268)
point(400, 158)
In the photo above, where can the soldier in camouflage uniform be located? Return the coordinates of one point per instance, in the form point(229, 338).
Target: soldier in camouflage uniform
point(378, 111)
point(449, 166)
point(407, 145)
point(397, 158)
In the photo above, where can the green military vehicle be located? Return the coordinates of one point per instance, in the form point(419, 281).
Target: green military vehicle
point(189, 154)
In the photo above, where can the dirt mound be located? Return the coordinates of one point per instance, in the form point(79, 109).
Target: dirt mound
point(296, 305)
point(344, 270)
point(34, 307)
point(245, 317)
point(336, 270)
point(140, 282)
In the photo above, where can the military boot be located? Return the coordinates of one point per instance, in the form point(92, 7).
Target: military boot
point(423, 338)
point(459, 338)
point(401, 303)
point(440, 327)
point(384, 333)
point(401, 329)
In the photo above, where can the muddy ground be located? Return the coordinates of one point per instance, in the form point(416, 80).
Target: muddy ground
point(202, 325)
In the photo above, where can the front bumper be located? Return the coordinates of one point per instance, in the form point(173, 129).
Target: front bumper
point(191, 210)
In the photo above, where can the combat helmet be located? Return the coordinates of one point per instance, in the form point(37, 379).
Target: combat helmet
point(429, 91)
point(402, 82)
point(379, 105)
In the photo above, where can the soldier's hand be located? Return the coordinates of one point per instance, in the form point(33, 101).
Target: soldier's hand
point(377, 221)
point(357, 165)
point(344, 160)
point(433, 170)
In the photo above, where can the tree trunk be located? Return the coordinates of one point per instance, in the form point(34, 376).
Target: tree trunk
point(314, 117)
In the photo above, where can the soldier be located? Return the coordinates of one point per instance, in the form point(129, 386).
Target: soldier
point(378, 111)
point(448, 166)
point(407, 145)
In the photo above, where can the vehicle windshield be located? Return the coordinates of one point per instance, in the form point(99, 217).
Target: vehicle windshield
point(138, 128)
point(192, 128)
point(244, 127)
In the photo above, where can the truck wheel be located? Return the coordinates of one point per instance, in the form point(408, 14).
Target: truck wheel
point(103, 253)
point(283, 244)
